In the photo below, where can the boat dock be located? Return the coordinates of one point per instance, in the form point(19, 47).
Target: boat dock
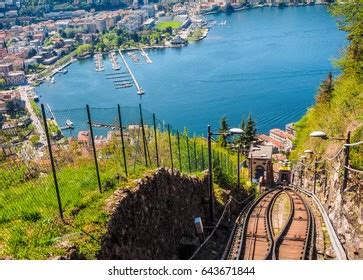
point(138, 87)
point(114, 62)
point(146, 56)
point(99, 62)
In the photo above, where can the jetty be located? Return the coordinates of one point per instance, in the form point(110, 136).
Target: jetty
point(146, 56)
point(140, 91)
point(114, 62)
point(99, 62)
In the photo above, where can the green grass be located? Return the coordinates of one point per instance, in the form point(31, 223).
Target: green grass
point(196, 35)
point(164, 25)
point(30, 227)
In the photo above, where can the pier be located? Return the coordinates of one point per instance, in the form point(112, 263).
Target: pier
point(114, 62)
point(99, 62)
point(138, 87)
point(146, 56)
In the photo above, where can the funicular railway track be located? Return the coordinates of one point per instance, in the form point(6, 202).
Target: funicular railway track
point(253, 236)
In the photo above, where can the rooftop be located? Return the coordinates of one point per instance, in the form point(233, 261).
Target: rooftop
point(261, 152)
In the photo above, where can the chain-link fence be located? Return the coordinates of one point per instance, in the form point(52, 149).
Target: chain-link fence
point(90, 151)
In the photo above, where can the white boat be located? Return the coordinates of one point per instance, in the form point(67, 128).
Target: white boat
point(52, 80)
point(65, 71)
point(69, 124)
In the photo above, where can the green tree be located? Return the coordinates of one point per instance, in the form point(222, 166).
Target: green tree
point(250, 131)
point(82, 49)
point(11, 108)
point(224, 127)
point(326, 89)
point(2, 83)
point(34, 139)
point(241, 139)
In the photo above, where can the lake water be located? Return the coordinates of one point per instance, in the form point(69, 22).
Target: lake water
point(268, 62)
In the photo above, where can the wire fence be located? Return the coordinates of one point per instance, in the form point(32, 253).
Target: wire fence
point(88, 152)
point(342, 164)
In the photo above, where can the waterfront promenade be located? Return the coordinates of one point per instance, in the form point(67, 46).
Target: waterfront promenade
point(24, 92)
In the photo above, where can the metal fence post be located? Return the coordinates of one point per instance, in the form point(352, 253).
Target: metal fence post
point(188, 150)
point(143, 135)
point(238, 167)
point(179, 154)
point(52, 163)
point(94, 148)
point(195, 156)
point(156, 142)
point(346, 162)
point(210, 178)
point(171, 152)
point(122, 138)
point(203, 160)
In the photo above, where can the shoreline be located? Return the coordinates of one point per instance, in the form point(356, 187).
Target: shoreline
point(159, 47)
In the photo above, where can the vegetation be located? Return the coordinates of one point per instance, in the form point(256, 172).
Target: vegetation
point(245, 139)
point(121, 38)
point(36, 108)
point(168, 24)
point(84, 49)
point(339, 101)
point(196, 34)
point(29, 223)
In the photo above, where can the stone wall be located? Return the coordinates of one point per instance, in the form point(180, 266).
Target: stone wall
point(152, 220)
point(343, 207)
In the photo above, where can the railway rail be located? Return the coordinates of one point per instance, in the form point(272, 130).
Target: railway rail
point(253, 236)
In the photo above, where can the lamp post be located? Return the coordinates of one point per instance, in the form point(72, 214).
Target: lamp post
point(322, 135)
point(302, 170)
point(232, 131)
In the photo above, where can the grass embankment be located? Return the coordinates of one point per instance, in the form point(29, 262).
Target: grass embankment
point(196, 35)
point(339, 106)
point(30, 226)
point(168, 24)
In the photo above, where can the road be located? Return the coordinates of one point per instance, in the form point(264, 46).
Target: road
point(24, 91)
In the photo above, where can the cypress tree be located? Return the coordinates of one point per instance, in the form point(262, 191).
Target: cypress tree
point(224, 127)
point(250, 130)
point(326, 89)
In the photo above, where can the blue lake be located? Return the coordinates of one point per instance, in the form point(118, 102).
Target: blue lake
point(268, 62)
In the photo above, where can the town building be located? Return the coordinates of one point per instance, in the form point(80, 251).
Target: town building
point(260, 164)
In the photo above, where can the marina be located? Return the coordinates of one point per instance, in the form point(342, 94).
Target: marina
point(146, 56)
point(113, 58)
point(99, 66)
point(244, 67)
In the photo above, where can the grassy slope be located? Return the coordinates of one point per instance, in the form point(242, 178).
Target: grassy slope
point(345, 110)
point(30, 227)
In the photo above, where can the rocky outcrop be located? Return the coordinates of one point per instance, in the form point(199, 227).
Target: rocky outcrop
point(343, 207)
point(153, 220)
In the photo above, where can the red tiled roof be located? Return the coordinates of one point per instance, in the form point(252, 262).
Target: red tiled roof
point(278, 132)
